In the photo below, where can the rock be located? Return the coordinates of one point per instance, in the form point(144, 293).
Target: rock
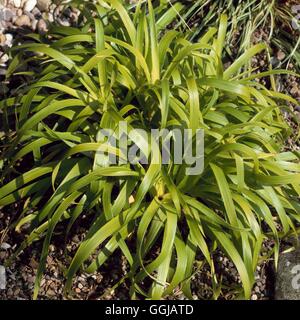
point(274, 62)
point(280, 55)
point(6, 15)
point(5, 246)
point(36, 12)
point(2, 72)
point(3, 90)
point(2, 39)
point(43, 5)
point(48, 16)
point(10, 292)
point(23, 21)
point(288, 276)
point(2, 278)
point(42, 26)
point(296, 8)
point(257, 290)
point(34, 24)
point(30, 15)
point(51, 293)
point(295, 90)
point(33, 263)
point(63, 22)
point(9, 39)
point(30, 279)
point(29, 5)
point(17, 292)
point(49, 260)
point(17, 3)
point(296, 22)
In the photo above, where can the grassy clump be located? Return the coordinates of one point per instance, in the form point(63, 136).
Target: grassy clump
point(274, 17)
point(121, 67)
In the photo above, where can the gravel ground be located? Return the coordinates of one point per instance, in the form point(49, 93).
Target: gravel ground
point(20, 276)
point(21, 16)
point(287, 84)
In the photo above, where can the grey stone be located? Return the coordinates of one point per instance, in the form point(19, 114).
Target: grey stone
point(42, 26)
point(63, 22)
point(296, 22)
point(2, 278)
point(5, 246)
point(29, 5)
point(288, 276)
point(36, 12)
point(296, 8)
point(6, 15)
point(280, 55)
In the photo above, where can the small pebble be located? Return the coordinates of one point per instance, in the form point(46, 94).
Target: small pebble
point(30, 279)
point(29, 5)
point(296, 22)
point(51, 293)
point(4, 245)
point(280, 55)
point(17, 292)
point(63, 22)
point(4, 58)
point(80, 286)
point(23, 21)
point(42, 26)
point(36, 12)
point(17, 3)
point(2, 38)
point(2, 253)
point(2, 278)
point(6, 15)
point(295, 8)
point(43, 5)
point(33, 263)
point(34, 24)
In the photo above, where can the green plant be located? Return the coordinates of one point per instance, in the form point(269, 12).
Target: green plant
point(120, 67)
point(245, 17)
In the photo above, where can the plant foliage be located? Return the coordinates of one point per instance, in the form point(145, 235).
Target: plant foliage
point(275, 18)
point(122, 66)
